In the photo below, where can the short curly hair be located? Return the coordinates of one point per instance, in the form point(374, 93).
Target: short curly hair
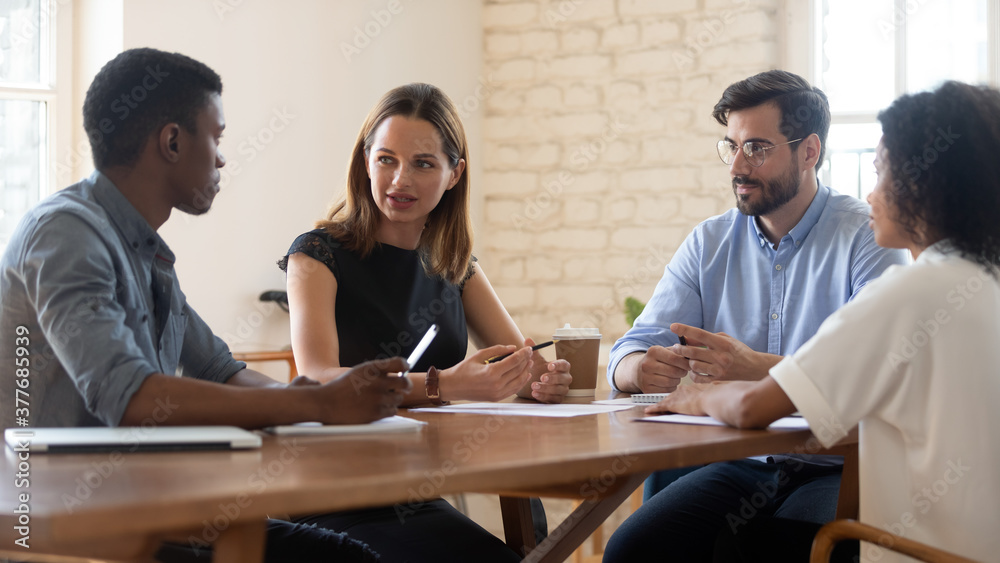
point(941, 150)
point(137, 93)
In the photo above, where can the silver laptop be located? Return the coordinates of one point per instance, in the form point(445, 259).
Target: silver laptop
point(129, 439)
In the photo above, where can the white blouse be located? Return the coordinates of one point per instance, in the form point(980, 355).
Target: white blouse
point(915, 359)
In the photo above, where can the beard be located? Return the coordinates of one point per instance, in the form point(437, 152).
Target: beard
point(773, 193)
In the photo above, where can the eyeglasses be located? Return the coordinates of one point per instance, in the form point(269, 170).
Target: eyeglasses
point(754, 151)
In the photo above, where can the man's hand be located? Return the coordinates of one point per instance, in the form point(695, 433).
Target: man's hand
point(720, 357)
point(660, 370)
point(549, 386)
point(367, 392)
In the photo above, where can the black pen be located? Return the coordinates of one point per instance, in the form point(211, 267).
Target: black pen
point(683, 342)
point(496, 359)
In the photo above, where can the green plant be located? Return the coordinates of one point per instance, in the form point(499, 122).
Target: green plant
point(632, 309)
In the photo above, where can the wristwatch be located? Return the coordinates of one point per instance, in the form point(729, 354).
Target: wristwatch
point(432, 386)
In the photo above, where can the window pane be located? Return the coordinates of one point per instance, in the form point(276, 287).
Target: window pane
point(22, 38)
point(850, 149)
point(858, 54)
point(22, 153)
point(962, 56)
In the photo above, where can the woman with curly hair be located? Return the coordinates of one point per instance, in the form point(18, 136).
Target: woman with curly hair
point(913, 359)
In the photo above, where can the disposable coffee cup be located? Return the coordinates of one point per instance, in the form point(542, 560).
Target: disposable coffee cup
point(581, 348)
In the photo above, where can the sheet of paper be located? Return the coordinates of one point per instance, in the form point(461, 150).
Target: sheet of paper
point(620, 401)
point(789, 422)
point(527, 409)
point(388, 424)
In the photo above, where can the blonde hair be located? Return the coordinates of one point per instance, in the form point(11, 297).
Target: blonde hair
point(446, 242)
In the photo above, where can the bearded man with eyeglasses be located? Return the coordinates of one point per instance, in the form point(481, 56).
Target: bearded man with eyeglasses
point(744, 289)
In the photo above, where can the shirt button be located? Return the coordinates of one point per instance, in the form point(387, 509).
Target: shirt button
point(135, 244)
point(778, 267)
point(150, 241)
point(774, 316)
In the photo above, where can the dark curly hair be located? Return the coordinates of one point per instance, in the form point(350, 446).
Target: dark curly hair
point(804, 108)
point(136, 94)
point(941, 149)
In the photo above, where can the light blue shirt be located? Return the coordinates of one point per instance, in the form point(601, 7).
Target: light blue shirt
point(727, 277)
point(94, 288)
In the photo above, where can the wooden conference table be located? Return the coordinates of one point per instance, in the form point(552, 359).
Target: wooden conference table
point(109, 507)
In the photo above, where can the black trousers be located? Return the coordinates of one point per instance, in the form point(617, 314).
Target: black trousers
point(286, 542)
point(777, 539)
point(432, 531)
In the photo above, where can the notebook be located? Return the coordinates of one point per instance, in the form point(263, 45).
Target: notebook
point(129, 439)
point(649, 397)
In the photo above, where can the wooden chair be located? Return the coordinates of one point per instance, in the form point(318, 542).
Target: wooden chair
point(275, 356)
point(840, 530)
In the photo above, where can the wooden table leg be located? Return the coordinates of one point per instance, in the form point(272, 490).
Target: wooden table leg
point(518, 526)
point(242, 542)
point(591, 513)
point(848, 501)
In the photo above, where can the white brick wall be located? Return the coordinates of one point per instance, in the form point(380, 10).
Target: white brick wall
point(599, 145)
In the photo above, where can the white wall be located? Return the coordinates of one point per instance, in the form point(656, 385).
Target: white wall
point(288, 58)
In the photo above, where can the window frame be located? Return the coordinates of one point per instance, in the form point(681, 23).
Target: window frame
point(804, 25)
point(54, 90)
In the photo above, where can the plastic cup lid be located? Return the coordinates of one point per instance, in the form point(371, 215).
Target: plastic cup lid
point(571, 332)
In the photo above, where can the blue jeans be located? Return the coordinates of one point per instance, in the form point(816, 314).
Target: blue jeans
point(662, 479)
point(684, 519)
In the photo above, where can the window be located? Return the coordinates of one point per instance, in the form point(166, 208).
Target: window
point(866, 53)
point(27, 101)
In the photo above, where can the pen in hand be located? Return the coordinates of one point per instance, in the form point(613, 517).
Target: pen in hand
point(496, 359)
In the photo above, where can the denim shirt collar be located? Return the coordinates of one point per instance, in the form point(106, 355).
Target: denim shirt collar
point(801, 230)
point(133, 227)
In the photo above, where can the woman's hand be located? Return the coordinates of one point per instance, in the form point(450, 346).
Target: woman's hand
point(687, 399)
point(475, 380)
point(549, 382)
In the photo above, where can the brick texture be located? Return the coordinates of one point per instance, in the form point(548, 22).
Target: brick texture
point(599, 145)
